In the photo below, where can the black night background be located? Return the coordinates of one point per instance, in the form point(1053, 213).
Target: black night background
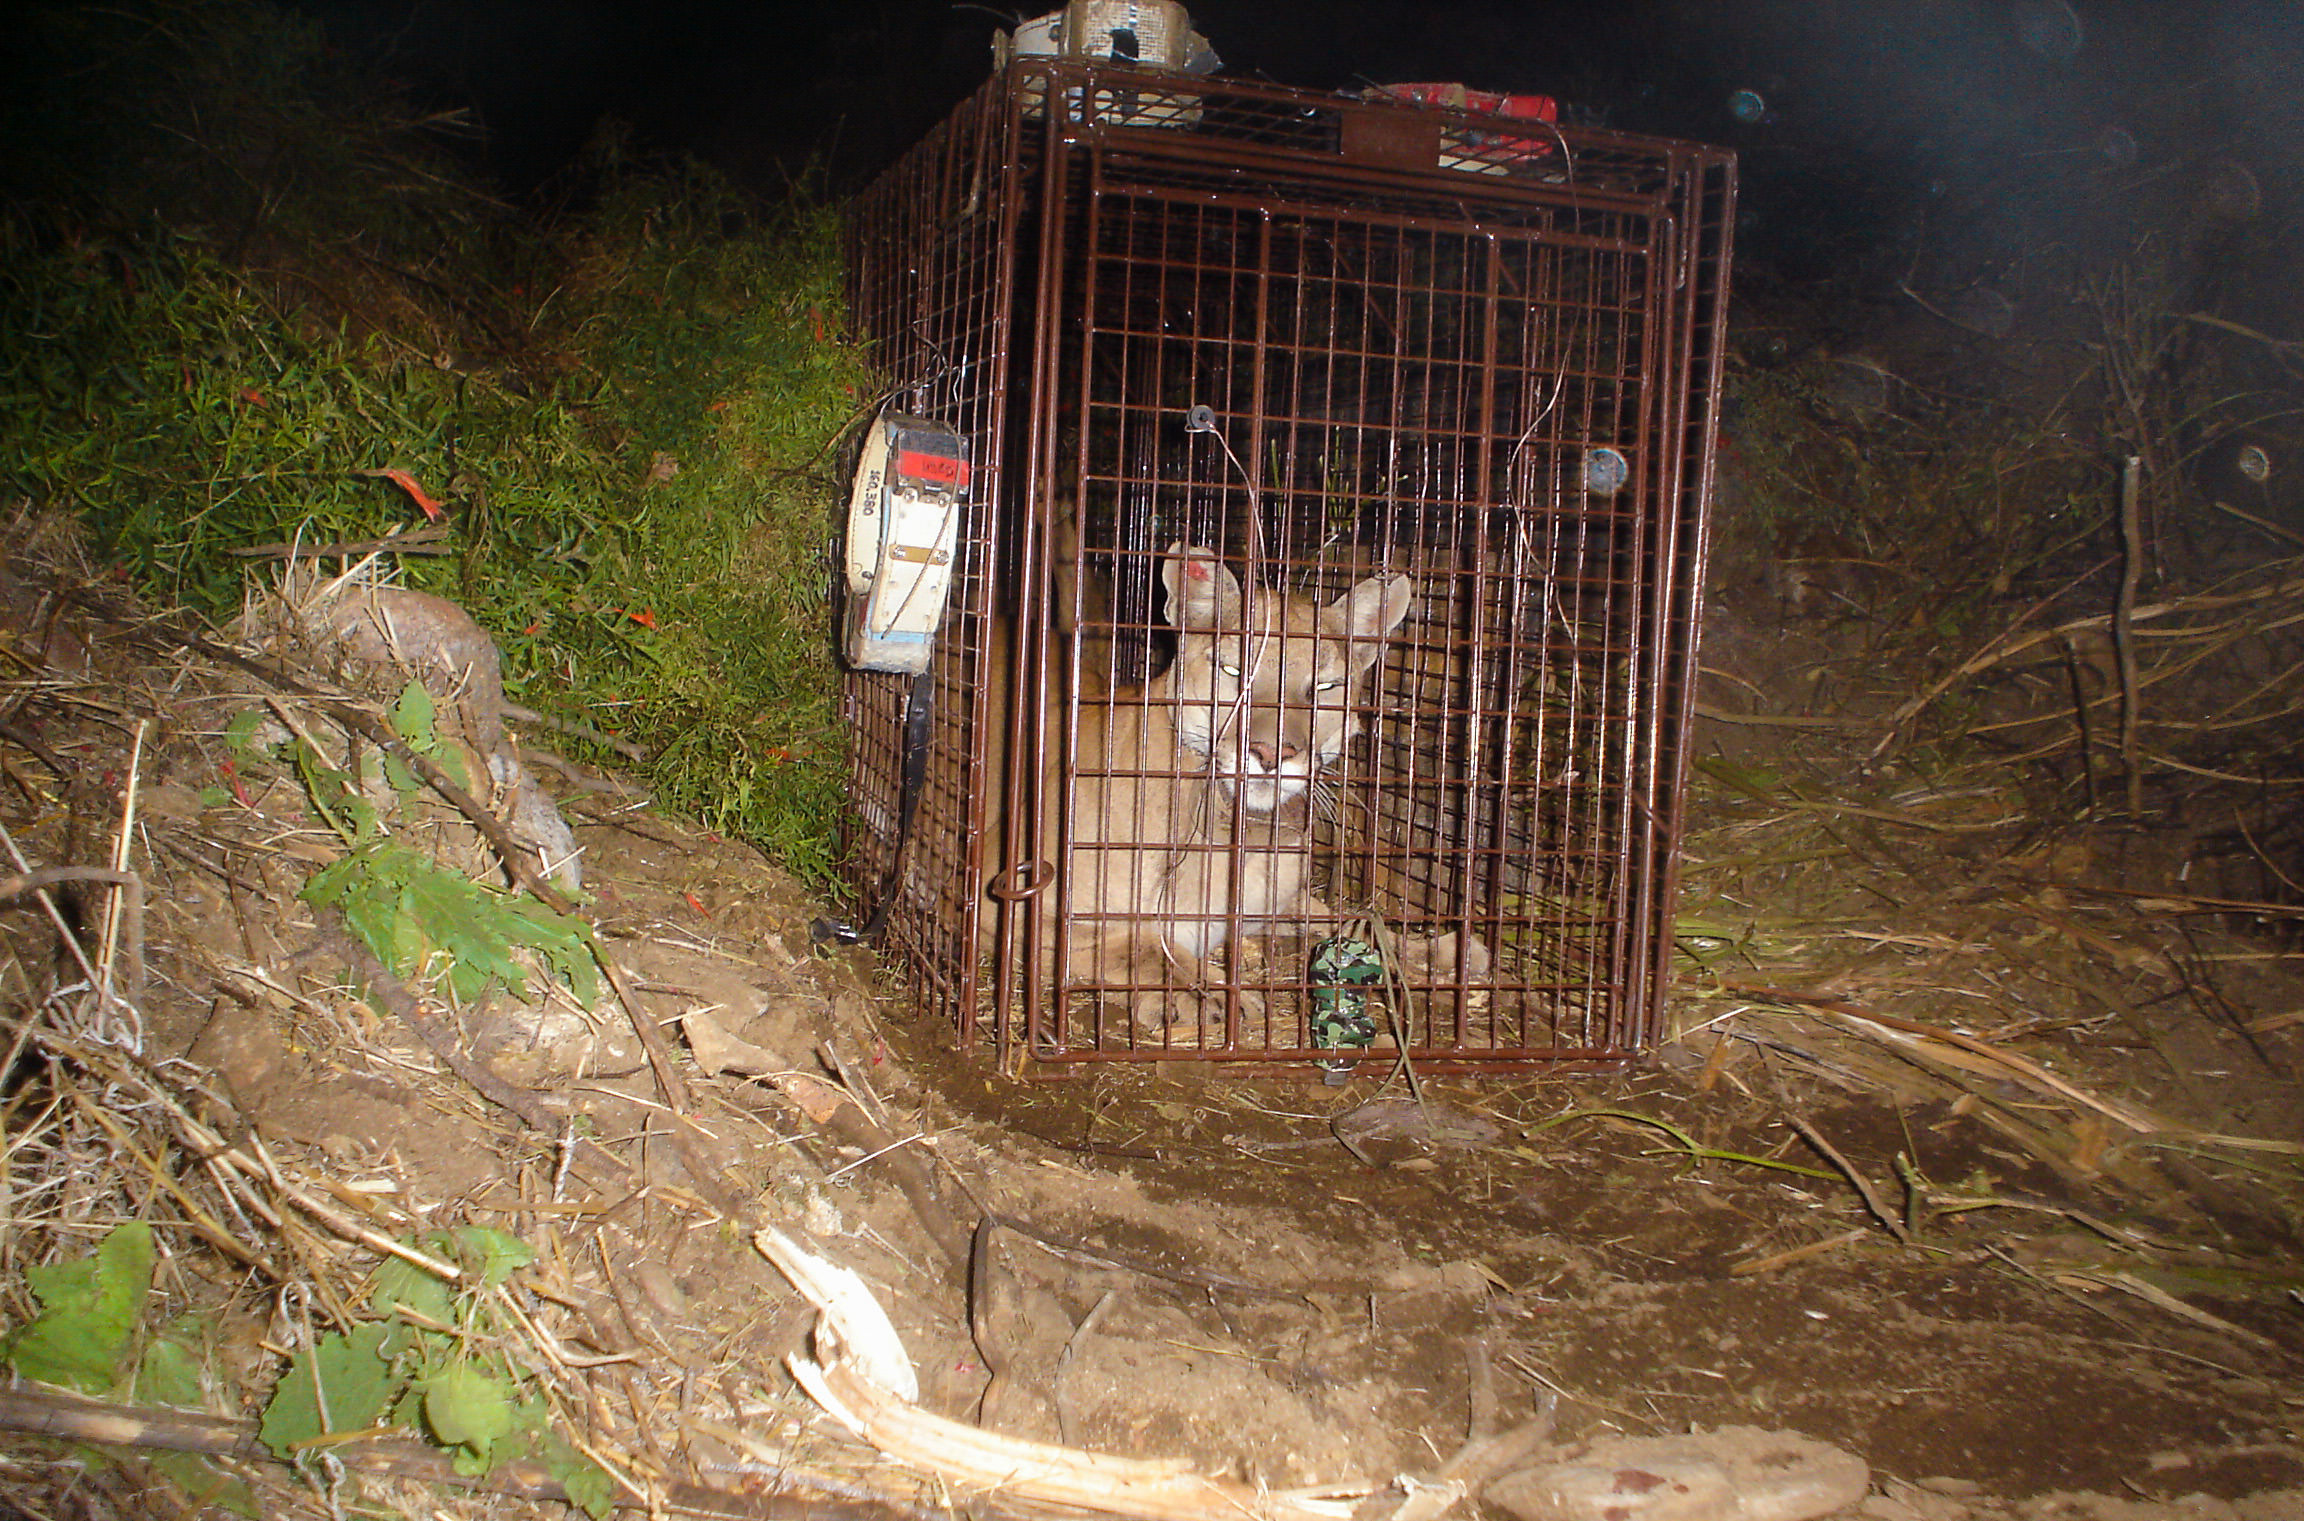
point(2002, 127)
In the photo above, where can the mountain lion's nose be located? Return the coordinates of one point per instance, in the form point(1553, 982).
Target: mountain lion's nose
point(1270, 756)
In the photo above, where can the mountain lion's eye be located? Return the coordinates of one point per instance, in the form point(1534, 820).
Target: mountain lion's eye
point(1230, 670)
point(1329, 686)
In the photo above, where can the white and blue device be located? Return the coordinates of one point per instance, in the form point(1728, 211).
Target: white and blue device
point(903, 533)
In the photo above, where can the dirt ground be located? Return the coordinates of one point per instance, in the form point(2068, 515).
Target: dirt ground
point(2045, 1267)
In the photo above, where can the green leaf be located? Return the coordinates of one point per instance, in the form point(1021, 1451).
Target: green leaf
point(399, 1284)
point(240, 733)
point(411, 1346)
point(1753, 781)
point(380, 914)
point(586, 1482)
point(399, 776)
point(406, 908)
point(342, 1383)
point(564, 940)
point(491, 1255)
point(465, 1407)
point(468, 923)
point(203, 1483)
point(332, 885)
point(416, 719)
point(169, 1374)
point(328, 788)
point(89, 1308)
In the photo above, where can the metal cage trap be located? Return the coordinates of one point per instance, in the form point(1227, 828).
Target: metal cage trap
point(1316, 674)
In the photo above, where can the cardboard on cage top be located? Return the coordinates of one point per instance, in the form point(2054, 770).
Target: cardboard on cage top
point(1143, 34)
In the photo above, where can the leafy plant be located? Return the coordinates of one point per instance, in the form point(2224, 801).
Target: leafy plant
point(408, 910)
point(89, 1310)
point(434, 1364)
point(411, 911)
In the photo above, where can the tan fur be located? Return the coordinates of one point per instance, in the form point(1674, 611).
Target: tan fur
point(1183, 821)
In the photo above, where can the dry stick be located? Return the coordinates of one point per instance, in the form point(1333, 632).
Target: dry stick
point(774, 1470)
point(2183, 902)
point(669, 1083)
point(2211, 640)
point(2123, 632)
point(858, 1085)
point(2270, 527)
point(131, 907)
point(2122, 1114)
point(1777, 720)
point(912, 1179)
point(67, 1416)
point(839, 1112)
point(396, 996)
point(1481, 1458)
point(196, 1220)
point(1774, 1260)
point(421, 541)
point(1912, 1068)
point(1862, 1184)
point(2009, 644)
point(2161, 1299)
point(570, 726)
point(113, 910)
point(55, 917)
point(2197, 976)
point(2264, 857)
point(2023, 1270)
point(987, 1278)
point(2080, 717)
point(1479, 1390)
point(1066, 1421)
point(1073, 1250)
point(221, 1155)
point(1998, 648)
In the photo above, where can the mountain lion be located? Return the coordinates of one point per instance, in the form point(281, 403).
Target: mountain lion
point(1185, 814)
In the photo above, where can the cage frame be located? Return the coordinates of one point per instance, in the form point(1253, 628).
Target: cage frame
point(973, 269)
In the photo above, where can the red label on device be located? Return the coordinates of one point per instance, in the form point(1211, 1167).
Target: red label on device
point(932, 467)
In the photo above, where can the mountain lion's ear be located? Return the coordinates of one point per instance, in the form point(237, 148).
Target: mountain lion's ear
point(1202, 593)
point(1371, 610)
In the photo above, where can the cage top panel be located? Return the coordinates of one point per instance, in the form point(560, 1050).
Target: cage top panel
point(1424, 160)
